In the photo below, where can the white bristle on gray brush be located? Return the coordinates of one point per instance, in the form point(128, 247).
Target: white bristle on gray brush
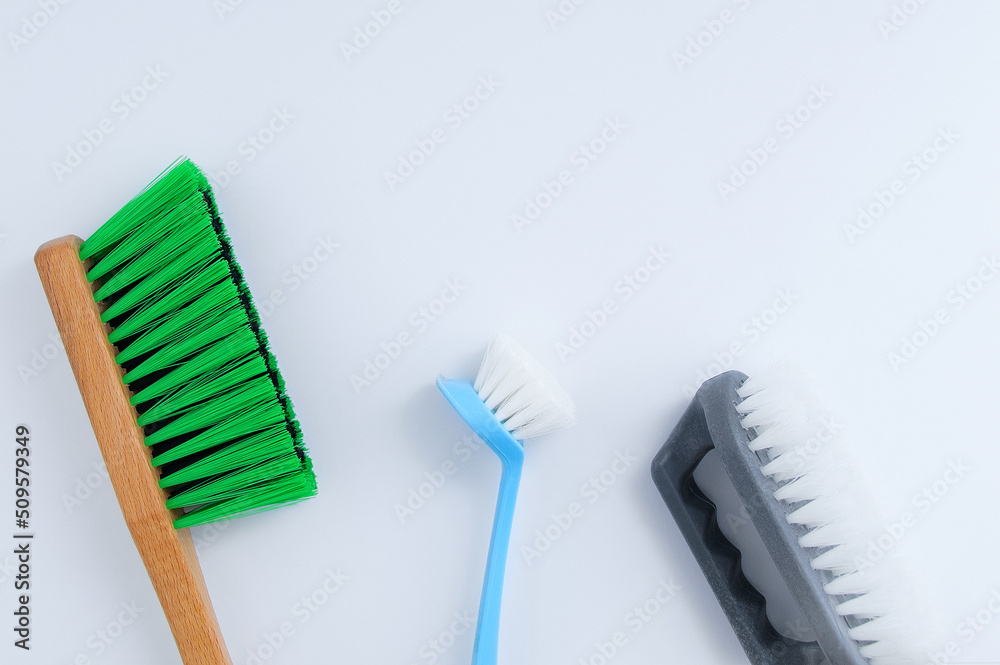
point(823, 486)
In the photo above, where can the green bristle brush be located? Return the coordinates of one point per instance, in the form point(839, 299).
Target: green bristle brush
point(185, 398)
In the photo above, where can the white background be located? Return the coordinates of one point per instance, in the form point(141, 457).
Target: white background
point(323, 177)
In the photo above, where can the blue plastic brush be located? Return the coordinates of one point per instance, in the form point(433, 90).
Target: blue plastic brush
point(513, 398)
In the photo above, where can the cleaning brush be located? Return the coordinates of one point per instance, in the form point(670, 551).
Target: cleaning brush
point(513, 398)
point(185, 398)
point(804, 496)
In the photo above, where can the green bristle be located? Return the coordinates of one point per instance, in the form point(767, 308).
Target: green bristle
point(194, 356)
point(254, 396)
point(232, 485)
point(281, 491)
point(223, 433)
point(194, 263)
point(184, 293)
point(239, 344)
point(179, 335)
point(170, 190)
point(199, 391)
point(142, 246)
point(179, 323)
point(250, 451)
point(177, 348)
point(143, 259)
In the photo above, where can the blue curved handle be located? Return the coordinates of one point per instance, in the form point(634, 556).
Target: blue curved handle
point(464, 399)
point(488, 628)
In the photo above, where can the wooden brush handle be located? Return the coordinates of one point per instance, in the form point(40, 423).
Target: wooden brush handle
point(168, 553)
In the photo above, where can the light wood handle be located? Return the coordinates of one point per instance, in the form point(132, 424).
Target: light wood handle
point(168, 553)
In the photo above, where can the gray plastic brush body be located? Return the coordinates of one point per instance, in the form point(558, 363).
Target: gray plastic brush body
point(712, 422)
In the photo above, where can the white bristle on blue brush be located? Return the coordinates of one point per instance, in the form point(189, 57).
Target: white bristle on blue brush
point(523, 395)
point(822, 481)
